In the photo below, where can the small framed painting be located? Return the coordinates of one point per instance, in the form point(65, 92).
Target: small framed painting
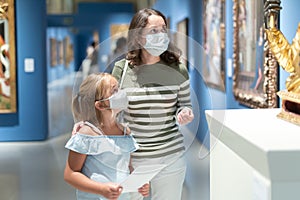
point(8, 96)
point(182, 39)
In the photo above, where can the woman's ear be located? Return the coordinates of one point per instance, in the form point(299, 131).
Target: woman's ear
point(141, 41)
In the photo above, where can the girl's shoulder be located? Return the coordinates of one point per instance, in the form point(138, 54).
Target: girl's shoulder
point(87, 130)
point(125, 128)
point(89, 145)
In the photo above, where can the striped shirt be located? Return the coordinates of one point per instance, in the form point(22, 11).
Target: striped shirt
point(156, 93)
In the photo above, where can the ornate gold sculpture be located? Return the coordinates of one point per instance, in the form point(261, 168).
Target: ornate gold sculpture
point(3, 10)
point(288, 57)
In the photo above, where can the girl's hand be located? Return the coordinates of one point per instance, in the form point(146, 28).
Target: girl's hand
point(144, 190)
point(111, 191)
point(77, 127)
point(185, 116)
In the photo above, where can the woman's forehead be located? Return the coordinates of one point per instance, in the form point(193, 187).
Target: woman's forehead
point(155, 21)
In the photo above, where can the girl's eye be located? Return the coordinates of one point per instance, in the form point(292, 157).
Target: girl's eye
point(114, 91)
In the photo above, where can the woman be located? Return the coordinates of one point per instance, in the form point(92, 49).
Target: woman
point(157, 86)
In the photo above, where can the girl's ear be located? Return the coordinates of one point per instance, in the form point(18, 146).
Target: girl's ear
point(98, 105)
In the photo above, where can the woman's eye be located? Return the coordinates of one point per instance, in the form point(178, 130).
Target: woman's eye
point(164, 30)
point(153, 31)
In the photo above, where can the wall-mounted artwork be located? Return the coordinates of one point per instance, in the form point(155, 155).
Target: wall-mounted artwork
point(68, 51)
point(181, 39)
point(53, 52)
point(255, 68)
point(8, 67)
point(214, 43)
point(60, 49)
point(117, 31)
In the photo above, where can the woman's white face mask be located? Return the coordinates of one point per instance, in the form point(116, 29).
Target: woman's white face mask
point(157, 43)
point(118, 100)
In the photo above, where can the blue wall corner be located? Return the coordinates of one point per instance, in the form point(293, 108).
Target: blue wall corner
point(30, 120)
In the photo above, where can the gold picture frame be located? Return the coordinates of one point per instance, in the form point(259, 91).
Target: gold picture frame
point(255, 74)
point(8, 96)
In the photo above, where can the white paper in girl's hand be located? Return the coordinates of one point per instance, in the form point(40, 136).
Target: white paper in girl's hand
point(140, 176)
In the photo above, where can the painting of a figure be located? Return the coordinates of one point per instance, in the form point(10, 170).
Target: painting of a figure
point(214, 43)
point(4, 60)
point(7, 58)
point(251, 48)
point(182, 40)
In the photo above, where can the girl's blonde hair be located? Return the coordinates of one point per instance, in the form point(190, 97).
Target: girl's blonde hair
point(91, 89)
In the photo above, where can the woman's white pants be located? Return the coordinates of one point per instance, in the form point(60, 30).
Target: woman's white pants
point(168, 184)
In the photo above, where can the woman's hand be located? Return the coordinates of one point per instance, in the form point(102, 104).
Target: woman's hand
point(185, 116)
point(144, 190)
point(111, 190)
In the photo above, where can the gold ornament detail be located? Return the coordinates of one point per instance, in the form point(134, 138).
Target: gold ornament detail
point(4, 10)
point(288, 57)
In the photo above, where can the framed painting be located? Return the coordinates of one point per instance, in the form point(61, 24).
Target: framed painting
point(8, 96)
point(60, 50)
point(182, 39)
point(214, 43)
point(53, 52)
point(117, 31)
point(255, 69)
point(68, 51)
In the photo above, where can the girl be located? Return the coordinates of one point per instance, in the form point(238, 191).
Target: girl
point(99, 156)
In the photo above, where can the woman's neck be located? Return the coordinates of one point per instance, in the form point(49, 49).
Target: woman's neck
point(149, 59)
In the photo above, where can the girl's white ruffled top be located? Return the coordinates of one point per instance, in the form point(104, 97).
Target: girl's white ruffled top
point(108, 157)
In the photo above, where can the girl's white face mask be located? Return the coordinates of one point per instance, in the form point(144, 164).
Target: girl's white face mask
point(118, 100)
point(157, 43)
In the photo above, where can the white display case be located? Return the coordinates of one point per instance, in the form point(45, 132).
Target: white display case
point(253, 155)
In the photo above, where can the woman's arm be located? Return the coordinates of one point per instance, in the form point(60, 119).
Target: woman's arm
point(184, 114)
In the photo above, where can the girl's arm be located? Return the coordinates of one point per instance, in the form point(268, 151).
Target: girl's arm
point(74, 177)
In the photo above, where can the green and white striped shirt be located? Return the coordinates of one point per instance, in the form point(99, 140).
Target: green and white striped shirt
point(156, 93)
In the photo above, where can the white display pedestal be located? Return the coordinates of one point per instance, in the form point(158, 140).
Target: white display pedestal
point(253, 155)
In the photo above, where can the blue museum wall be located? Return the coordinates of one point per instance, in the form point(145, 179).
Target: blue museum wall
point(89, 18)
point(209, 98)
point(30, 120)
point(206, 97)
point(92, 17)
point(59, 70)
point(33, 29)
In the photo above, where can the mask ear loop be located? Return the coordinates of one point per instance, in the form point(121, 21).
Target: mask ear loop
point(120, 115)
point(123, 74)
